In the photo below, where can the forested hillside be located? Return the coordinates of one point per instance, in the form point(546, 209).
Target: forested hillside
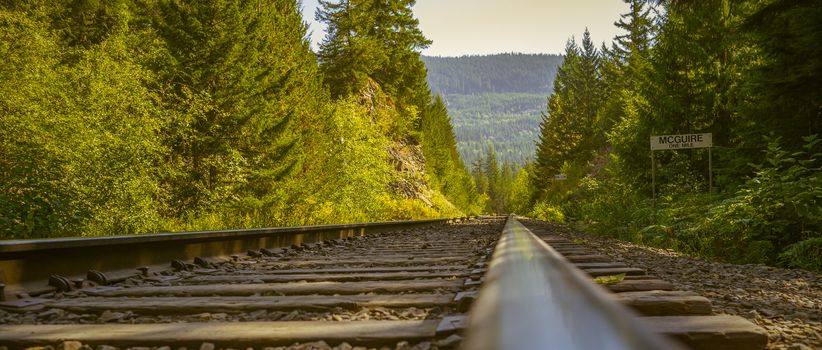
point(509, 121)
point(750, 73)
point(126, 116)
point(511, 72)
point(494, 99)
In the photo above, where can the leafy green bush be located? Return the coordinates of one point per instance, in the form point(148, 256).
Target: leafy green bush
point(547, 212)
point(776, 208)
point(775, 217)
point(806, 254)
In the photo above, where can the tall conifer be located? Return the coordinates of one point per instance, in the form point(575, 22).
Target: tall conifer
point(242, 73)
point(375, 40)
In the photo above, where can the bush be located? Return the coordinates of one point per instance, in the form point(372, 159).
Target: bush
point(546, 212)
point(806, 254)
point(777, 208)
point(774, 217)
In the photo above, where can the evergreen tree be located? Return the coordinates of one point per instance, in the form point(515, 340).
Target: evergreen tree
point(443, 163)
point(375, 40)
point(242, 74)
point(588, 96)
point(631, 49)
point(495, 190)
point(622, 66)
point(478, 173)
point(785, 86)
point(557, 138)
point(685, 89)
point(567, 132)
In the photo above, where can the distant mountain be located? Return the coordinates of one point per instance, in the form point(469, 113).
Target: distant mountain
point(494, 99)
point(510, 72)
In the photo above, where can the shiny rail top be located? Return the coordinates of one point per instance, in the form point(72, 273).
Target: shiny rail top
point(533, 298)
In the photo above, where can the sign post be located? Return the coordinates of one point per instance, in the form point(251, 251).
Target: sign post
point(684, 141)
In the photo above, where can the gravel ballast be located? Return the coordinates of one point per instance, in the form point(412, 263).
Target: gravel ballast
point(785, 302)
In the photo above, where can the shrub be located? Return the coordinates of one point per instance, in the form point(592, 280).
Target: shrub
point(546, 212)
point(806, 254)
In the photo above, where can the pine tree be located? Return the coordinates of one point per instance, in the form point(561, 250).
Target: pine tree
point(375, 40)
point(624, 70)
point(623, 65)
point(480, 178)
point(785, 84)
point(588, 96)
point(349, 55)
point(631, 49)
point(686, 88)
point(494, 177)
point(557, 138)
point(243, 75)
point(90, 22)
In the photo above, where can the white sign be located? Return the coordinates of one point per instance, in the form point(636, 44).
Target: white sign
point(561, 177)
point(681, 141)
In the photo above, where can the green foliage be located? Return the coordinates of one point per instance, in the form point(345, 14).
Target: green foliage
point(444, 165)
point(611, 279)
point(374, 40)
point(737, 69)
point(521, 193)
point(762, 221)
point(84, 136)
point(510, 121)
point(779, 206)
point(784, 80)
point(544, 211)
point(124, 117)
point(805, 254)
point(567, 131)
point(494, 97)
point(350, 175)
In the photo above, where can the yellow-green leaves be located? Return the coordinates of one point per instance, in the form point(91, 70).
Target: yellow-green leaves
point(608, 280)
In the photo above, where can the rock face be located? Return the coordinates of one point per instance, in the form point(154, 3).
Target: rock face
point(787, 303)
point(406, 157)
point(409, 161)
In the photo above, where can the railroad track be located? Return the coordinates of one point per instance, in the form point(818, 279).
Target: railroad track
point(407, 289)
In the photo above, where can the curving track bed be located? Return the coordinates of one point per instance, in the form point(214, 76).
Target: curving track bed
point(403, 289)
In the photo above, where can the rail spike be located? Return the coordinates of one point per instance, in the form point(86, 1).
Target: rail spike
point(60, 283)
point(97, 277)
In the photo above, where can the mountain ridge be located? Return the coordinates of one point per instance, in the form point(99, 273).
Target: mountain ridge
point(496, 99)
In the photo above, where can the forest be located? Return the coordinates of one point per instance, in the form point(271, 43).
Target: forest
point(747, 71)
point(478, 74)
point(494, 99)
point(140, 116)
point(509, 121)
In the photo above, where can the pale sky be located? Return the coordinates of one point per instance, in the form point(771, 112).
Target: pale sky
point(466, 27)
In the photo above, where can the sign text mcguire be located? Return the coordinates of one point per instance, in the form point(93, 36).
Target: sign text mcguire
point(684, 141)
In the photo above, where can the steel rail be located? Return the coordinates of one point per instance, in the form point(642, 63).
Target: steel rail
point(533, 298)
point(27, 264)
